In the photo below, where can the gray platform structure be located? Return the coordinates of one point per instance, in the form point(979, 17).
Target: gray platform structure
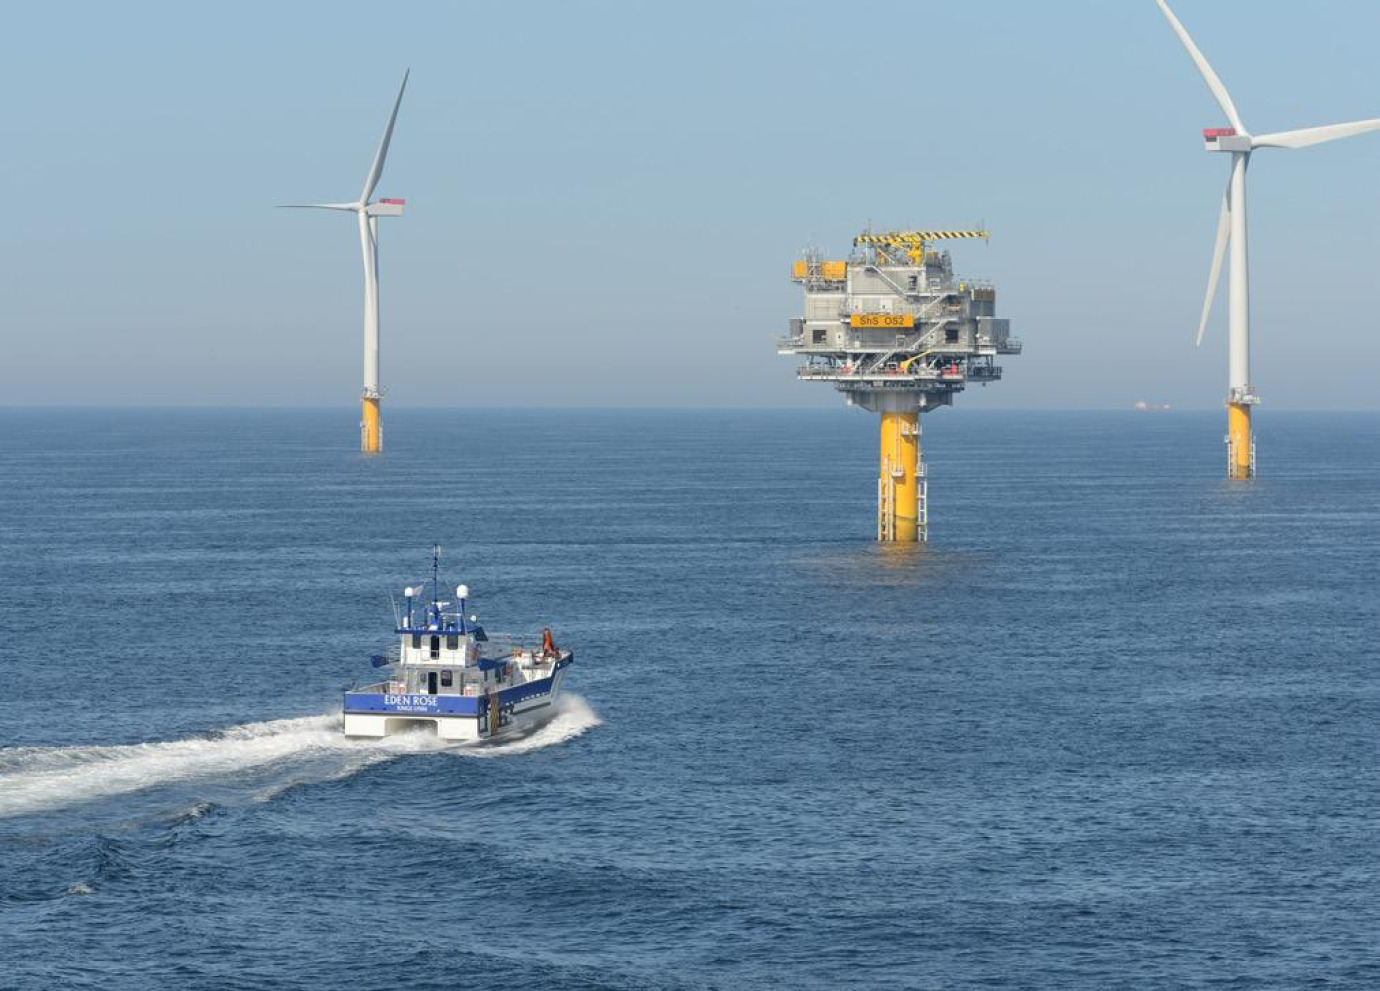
point(898, 333)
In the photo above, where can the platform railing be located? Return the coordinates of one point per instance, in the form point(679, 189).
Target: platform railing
point(923, 372)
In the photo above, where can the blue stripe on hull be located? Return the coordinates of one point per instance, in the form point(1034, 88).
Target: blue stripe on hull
point(470, 706)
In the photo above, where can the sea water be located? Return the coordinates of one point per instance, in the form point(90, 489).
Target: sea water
point(1114, 727)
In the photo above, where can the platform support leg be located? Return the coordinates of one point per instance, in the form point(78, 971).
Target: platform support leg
point(371, 427)
point(900, 487)
point(1240, 442)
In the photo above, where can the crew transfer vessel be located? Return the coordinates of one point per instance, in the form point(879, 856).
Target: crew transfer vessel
point(446, 672)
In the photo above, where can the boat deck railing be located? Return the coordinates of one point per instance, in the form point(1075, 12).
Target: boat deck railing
point(496, 646)
point(504, 644)
point(464, 683)
point(468, 680)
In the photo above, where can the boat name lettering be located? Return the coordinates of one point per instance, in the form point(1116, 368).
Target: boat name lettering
point(412, 701)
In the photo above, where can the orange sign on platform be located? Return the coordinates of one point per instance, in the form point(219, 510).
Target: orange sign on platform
point(899, 320)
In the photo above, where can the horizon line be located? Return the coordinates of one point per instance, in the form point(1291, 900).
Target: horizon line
point(271, 407)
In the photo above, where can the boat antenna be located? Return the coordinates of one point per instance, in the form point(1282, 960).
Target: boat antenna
point(436, 579)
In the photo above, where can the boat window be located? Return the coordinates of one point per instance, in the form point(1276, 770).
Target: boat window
point(447, 679)
point(452, 642)
point(416, 641)
point(435, 647)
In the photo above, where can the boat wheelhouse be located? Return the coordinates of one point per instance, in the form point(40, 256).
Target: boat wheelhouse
point(448, 672)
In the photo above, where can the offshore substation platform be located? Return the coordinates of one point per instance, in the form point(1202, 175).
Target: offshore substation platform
point(898, 334)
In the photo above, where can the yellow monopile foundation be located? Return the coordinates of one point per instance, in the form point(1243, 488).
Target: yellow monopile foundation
point(898, 489)
point(1239, 464)
point(371, 428)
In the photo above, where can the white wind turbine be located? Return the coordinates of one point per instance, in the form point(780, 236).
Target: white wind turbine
point(371, 429)
point(1231, 229)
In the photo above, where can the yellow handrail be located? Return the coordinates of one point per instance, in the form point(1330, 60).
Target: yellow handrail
point(905, 365)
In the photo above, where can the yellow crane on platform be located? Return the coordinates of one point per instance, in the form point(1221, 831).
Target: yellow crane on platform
point(914, 242)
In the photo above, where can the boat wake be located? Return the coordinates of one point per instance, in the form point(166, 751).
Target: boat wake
point(267, 757)
point(572, 716)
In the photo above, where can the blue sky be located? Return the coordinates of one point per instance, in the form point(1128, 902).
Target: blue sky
point(604, 198)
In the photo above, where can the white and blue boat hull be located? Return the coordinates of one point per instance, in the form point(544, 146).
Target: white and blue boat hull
point(376, 712)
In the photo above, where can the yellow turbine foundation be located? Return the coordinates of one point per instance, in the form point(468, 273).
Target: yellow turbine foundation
point(371, 427)
point(1240, 462)
point(898, 483)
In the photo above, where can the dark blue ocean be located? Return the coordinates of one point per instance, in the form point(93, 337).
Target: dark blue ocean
point(1115, 727)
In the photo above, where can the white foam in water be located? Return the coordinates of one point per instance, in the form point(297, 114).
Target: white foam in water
point(573, 716)
point(35, 779)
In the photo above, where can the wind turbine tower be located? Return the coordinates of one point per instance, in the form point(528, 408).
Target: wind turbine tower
point(1231, 230)
point(368, 214)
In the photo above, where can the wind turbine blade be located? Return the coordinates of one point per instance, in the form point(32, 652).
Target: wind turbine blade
point(377, 169)
point(1218, 252)
point(1209, 77)
point(1314, 135)
point(318, 206)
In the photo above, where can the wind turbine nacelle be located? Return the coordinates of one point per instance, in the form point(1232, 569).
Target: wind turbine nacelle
point(386, 208)
point(1225, 139)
